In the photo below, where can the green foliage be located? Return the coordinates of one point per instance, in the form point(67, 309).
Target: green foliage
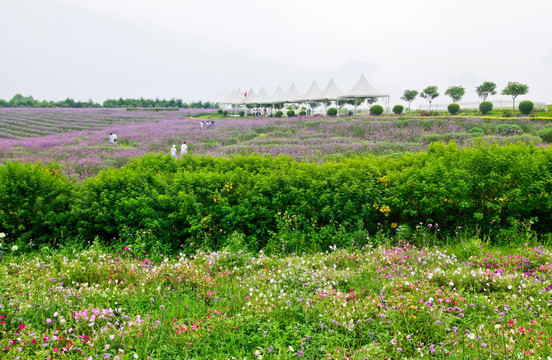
point(302, 113)
point(376, 110)
point(485, 107)
point(278, 114)
point(453, 109)
point(241, 113)
point(225, 113)
point(508, 129)
point(525, 107)
point(546, 135)
point(34, 203)
point(456, 93)
point(219, 111)
point(430, 93)
point(276, 203)
point(486, 89)
point(290, 113)
point(398, 109)
point(332, 112)
point(409, 96)
point(514, 89)
point(476, 131)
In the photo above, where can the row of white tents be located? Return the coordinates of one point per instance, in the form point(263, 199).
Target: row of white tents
point(361, 91)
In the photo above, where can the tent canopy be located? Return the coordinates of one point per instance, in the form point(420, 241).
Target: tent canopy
point(362, 89)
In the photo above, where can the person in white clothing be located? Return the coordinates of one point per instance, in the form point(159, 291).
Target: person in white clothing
point(115, 138)
point(173, 151)
point(183, 149)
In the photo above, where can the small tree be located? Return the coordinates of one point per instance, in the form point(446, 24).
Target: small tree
point(429, 93)
point(486, 89)
point(456, 93)
point(409, 96)
point(514, 89)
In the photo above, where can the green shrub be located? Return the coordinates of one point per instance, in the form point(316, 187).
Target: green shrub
point(34, 203)
point(525, 107)
point(485, 107)
point(507, 113)
point(476, 131)
point(290, 113)
point(302, 113)
point(225, 113)
point(278, 114)
point(332, 112)
point(376, 110)
point(508, 129)
point(398, 109)
point(546, 135)
point(453, 109)
point(241, 113)
point(219, 111)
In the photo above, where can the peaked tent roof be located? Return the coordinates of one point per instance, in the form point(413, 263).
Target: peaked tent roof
point(293, 95)
point(331, 92)
point(261, 98)
point(250, 95)
point(230, 97)
point(276, 97)
point(238, 96)
point(313, 92)
point(362, 89)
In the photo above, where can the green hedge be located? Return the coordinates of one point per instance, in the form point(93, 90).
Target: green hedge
point(276, 203)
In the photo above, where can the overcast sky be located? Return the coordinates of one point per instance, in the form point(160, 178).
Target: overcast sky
point(203, 49)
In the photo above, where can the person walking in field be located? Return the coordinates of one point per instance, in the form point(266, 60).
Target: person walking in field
point(173, 151)
point(201, 125)
point(114, 138)
point(183, 149)
point(111, 138)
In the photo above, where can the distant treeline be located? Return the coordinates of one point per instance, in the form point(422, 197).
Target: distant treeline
point(28, 101)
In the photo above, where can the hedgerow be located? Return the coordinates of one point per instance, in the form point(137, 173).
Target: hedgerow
point(278, 204)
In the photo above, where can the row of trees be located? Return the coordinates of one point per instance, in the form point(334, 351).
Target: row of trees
point(28, 101)
point(456, 93)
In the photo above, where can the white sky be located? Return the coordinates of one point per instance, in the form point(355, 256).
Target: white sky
point(203, 49)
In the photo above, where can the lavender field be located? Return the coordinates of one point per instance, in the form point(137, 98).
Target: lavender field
point(77, 139)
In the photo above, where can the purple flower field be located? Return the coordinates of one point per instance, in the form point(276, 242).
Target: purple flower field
point(78, 138)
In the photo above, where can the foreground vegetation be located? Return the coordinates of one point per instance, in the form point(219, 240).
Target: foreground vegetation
point(273, 203)
point(385, 300)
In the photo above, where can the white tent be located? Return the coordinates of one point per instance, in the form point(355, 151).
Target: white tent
point(313, 92)
point(248, 96)
point(363, 89)
point(293, 95)
point(261, 98)
point(238, 96)
point(331, 92)
point(230, 98)
point(277, 97)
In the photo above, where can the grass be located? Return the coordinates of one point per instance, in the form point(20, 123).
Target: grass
point(384, 300)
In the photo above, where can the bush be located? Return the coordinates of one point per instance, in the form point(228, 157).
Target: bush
point(241, 113)
point(219, 111)
point(453, 109)
point(398, 109)
point(525, 107)
point(278, 114)
point(376, 110)
point(507, 113)
point(485, 107)
point(546, 135)
point(332, 112)
point(476, 131)
point(225, 113)
point(302, 113)
point(34, 203)
point(290, 113)
point(508, 129)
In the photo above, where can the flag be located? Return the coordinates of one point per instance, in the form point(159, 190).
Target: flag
point(245, 94)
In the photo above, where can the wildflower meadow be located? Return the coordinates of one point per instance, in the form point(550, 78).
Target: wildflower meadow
point(392, 237)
